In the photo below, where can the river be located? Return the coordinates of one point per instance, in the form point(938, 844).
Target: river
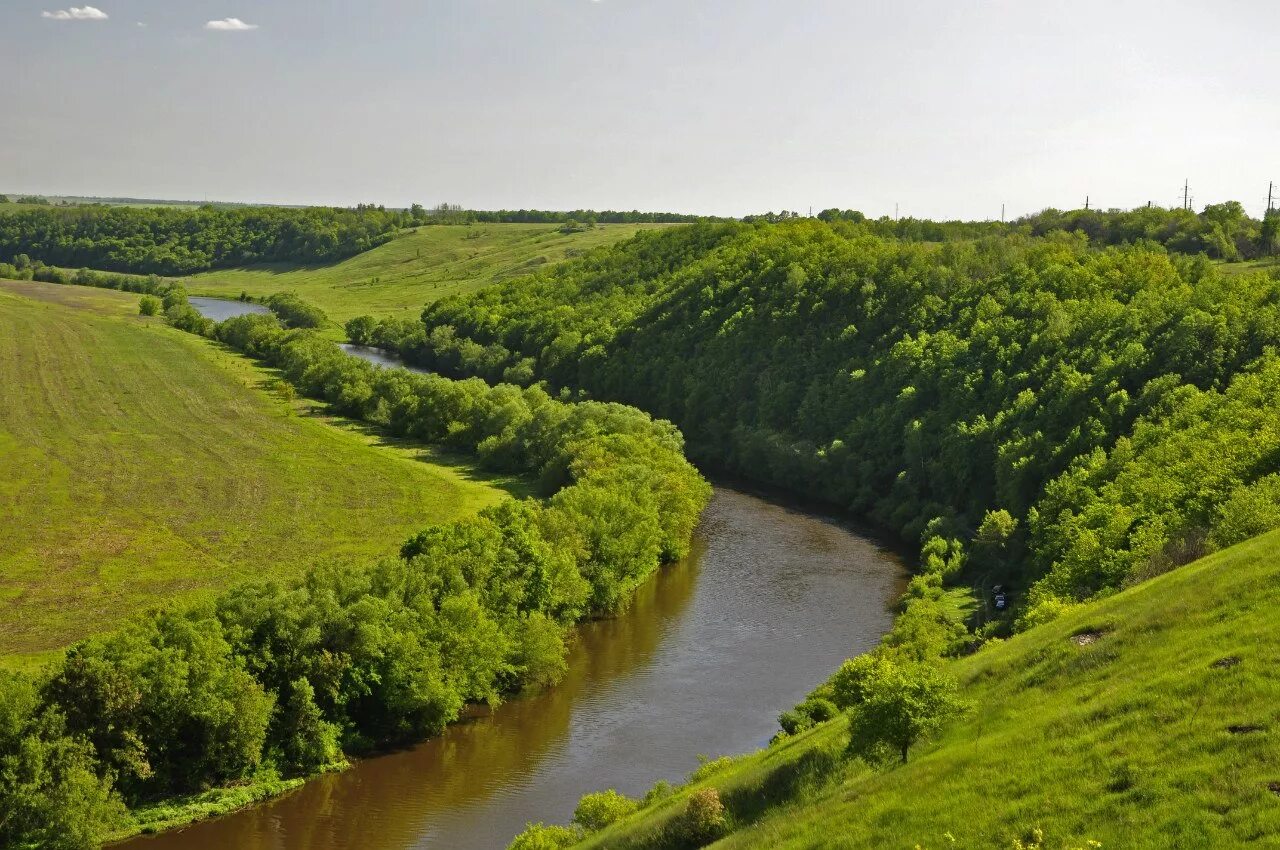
point(713, 648)
point(221, 309)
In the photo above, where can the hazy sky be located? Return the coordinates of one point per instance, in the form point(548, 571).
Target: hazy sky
point(947, 108)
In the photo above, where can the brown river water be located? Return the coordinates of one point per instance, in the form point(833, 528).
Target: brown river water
point(714, 647)
point(770, 602)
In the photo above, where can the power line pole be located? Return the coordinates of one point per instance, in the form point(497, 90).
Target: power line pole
point(1002, 213)
point(1086, 203)
point(1186, 194)
point(1270, 187)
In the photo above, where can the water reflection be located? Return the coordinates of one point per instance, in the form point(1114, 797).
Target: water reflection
point(221, 309)
point(378, 357)
point(713, 648)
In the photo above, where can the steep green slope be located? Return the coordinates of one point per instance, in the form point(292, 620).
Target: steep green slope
point(1076, 397)
point(1150, 719)
point(417, 267)
point(140, 464)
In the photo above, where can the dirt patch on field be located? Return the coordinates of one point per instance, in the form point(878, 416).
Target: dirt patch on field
point(1245, 728)
point(1087, 637)
point(1224, 663)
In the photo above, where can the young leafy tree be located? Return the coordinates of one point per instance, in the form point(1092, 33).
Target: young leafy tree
point(597, 810)
point(1270, 232)
point(360, 329)
point(901, 704)
point(149, 305)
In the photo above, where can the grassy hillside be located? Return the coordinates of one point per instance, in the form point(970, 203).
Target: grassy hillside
point(139, 463)
point(1146, 720)
point(417, 267)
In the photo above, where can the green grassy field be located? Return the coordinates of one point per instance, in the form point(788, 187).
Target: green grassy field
point(1268, 264)
point(140, 464)
point(416, 268)
point(1147, 720)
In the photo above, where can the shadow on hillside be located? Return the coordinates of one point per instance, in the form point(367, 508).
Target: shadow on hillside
point(466, 466)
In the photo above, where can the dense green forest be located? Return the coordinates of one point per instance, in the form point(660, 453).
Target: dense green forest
point(273, 680)
point(1030, 401)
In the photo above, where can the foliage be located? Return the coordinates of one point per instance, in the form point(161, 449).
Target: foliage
point(703, 820)
point(900, 705)
point(296, 313)
point(989, 389)
point(51, 793)
point(420, 265)
point(364, 656)
point(180, 241)
point(597, 810)
point(1126, 742)
point(539, 836)
point(150, 466)
point(148, 305)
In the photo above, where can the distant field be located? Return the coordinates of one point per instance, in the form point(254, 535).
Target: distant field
point(417, 267)
point(140, 464)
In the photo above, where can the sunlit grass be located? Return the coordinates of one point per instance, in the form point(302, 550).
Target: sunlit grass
point(417, 267)
point(1157, 730)
point(140, 464)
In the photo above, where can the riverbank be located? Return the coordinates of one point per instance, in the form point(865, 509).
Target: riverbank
point(711, 650)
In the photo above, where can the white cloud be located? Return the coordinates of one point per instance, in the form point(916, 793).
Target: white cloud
point(230, 25)
point(76, 13)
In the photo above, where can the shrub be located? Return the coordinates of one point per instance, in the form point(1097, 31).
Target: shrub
point(707, 767)
point(703, 820)
point(661, 790)
point(537, 836)
point(794, 721)
point(360, 330)
point(818, 709)
point(597, 810)
point(149, 305)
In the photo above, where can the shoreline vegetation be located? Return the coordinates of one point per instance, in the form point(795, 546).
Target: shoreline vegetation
point(275, 681)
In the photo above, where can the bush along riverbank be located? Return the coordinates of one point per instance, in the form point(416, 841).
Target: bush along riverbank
point(188, 712)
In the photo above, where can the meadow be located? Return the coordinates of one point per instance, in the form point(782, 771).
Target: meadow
point(1145, 720)
point(417, 267)
point(139, 465)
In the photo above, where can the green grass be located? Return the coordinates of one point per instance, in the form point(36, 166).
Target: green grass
point(417, 267)
point(1124, 740)
point(1267, 264)
point(140, 464)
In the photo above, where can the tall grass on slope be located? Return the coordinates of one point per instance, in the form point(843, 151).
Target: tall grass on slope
point(1144, 721)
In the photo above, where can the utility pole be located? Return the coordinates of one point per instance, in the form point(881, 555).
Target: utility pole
point(1086, 203)
point(1186, 194)
point(1271, 185)
point(895, 210)
point(1002, 213)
